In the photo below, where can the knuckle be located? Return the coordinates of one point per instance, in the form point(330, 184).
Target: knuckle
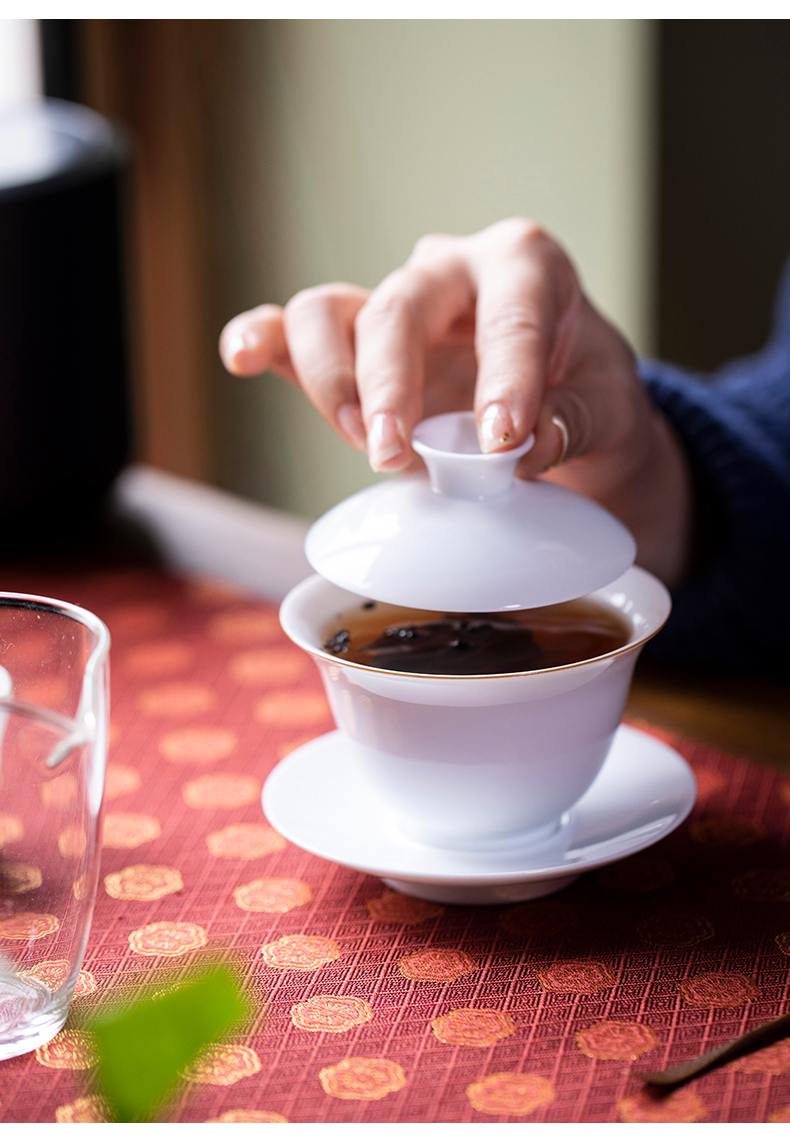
point(430, 246)
point(508, 322)
point(306, 302)
point(523, 237)
point(327, 376)
point(263, 311)
point(320, 298)
point(384, 307)
point(532, 238)
point(520, 232)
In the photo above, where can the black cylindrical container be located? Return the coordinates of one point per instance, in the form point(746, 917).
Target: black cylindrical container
point(64, 418)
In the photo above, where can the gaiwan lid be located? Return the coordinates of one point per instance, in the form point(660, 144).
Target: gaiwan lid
point(468, 535)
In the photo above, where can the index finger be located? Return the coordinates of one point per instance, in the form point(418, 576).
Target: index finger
point(404, 318)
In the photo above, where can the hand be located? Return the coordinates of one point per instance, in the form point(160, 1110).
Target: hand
point(496, 321)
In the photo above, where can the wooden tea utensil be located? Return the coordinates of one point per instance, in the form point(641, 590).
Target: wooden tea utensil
point(754, 1039)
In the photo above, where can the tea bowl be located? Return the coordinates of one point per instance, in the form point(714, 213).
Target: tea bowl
point(478, 761)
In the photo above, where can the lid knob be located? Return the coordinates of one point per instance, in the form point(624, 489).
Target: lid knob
point(469, 536)
point(456, 466)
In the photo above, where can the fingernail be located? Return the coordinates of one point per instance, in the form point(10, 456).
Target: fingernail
point(496, 427)
point(237, 342)
point(350, 421)
point(384, 441)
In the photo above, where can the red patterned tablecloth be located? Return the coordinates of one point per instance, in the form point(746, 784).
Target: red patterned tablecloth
point(371, 1007)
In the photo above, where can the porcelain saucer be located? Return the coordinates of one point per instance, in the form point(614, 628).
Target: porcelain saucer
point(319, 800)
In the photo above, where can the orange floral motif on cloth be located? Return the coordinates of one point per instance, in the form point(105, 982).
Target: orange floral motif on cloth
point(437, 963)
point(221, 790)
point(80, 886)
point(763, 884)
point(247, 1115)
point(362, 1078)
point(120, 780)
point(478, 1028)
point(197, 744)
point(244, 841)
point(783, 941)
point(157, 659)
point(396, 908)
point(675, 928)
point(11, 828)
point(541, 918)
point(782, 1115)
point(300, 952)
point(176, 699)
point(143, 882)
point(71, 1048)
point(583, 976)
point(129, 829)
point(718, 990)
point(223, 1064)
point(681, 1106)
point(19, 878)
point(247, 625)
point(24, 927)
point(54, 972)
point(284, 708)
point(167, 939)
point(61, 792)
point(270, 666)
point(637, 875)
point(86, 983)
point(617, 1040)
point(272, 896)
point(331, 1014)
point(72, 842)
point(510, 1093)
point(726, 831)
point(86, 1109)
point(773, 1060)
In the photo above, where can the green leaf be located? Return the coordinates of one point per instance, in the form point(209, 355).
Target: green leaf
point(143, 1049)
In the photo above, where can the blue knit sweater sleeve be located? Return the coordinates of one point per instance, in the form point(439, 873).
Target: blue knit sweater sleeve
point(733, 612)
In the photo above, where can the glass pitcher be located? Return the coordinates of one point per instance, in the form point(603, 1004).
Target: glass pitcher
point(54, 687)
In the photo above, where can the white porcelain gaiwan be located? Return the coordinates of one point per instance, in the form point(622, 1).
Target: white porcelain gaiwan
point(487, 761)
